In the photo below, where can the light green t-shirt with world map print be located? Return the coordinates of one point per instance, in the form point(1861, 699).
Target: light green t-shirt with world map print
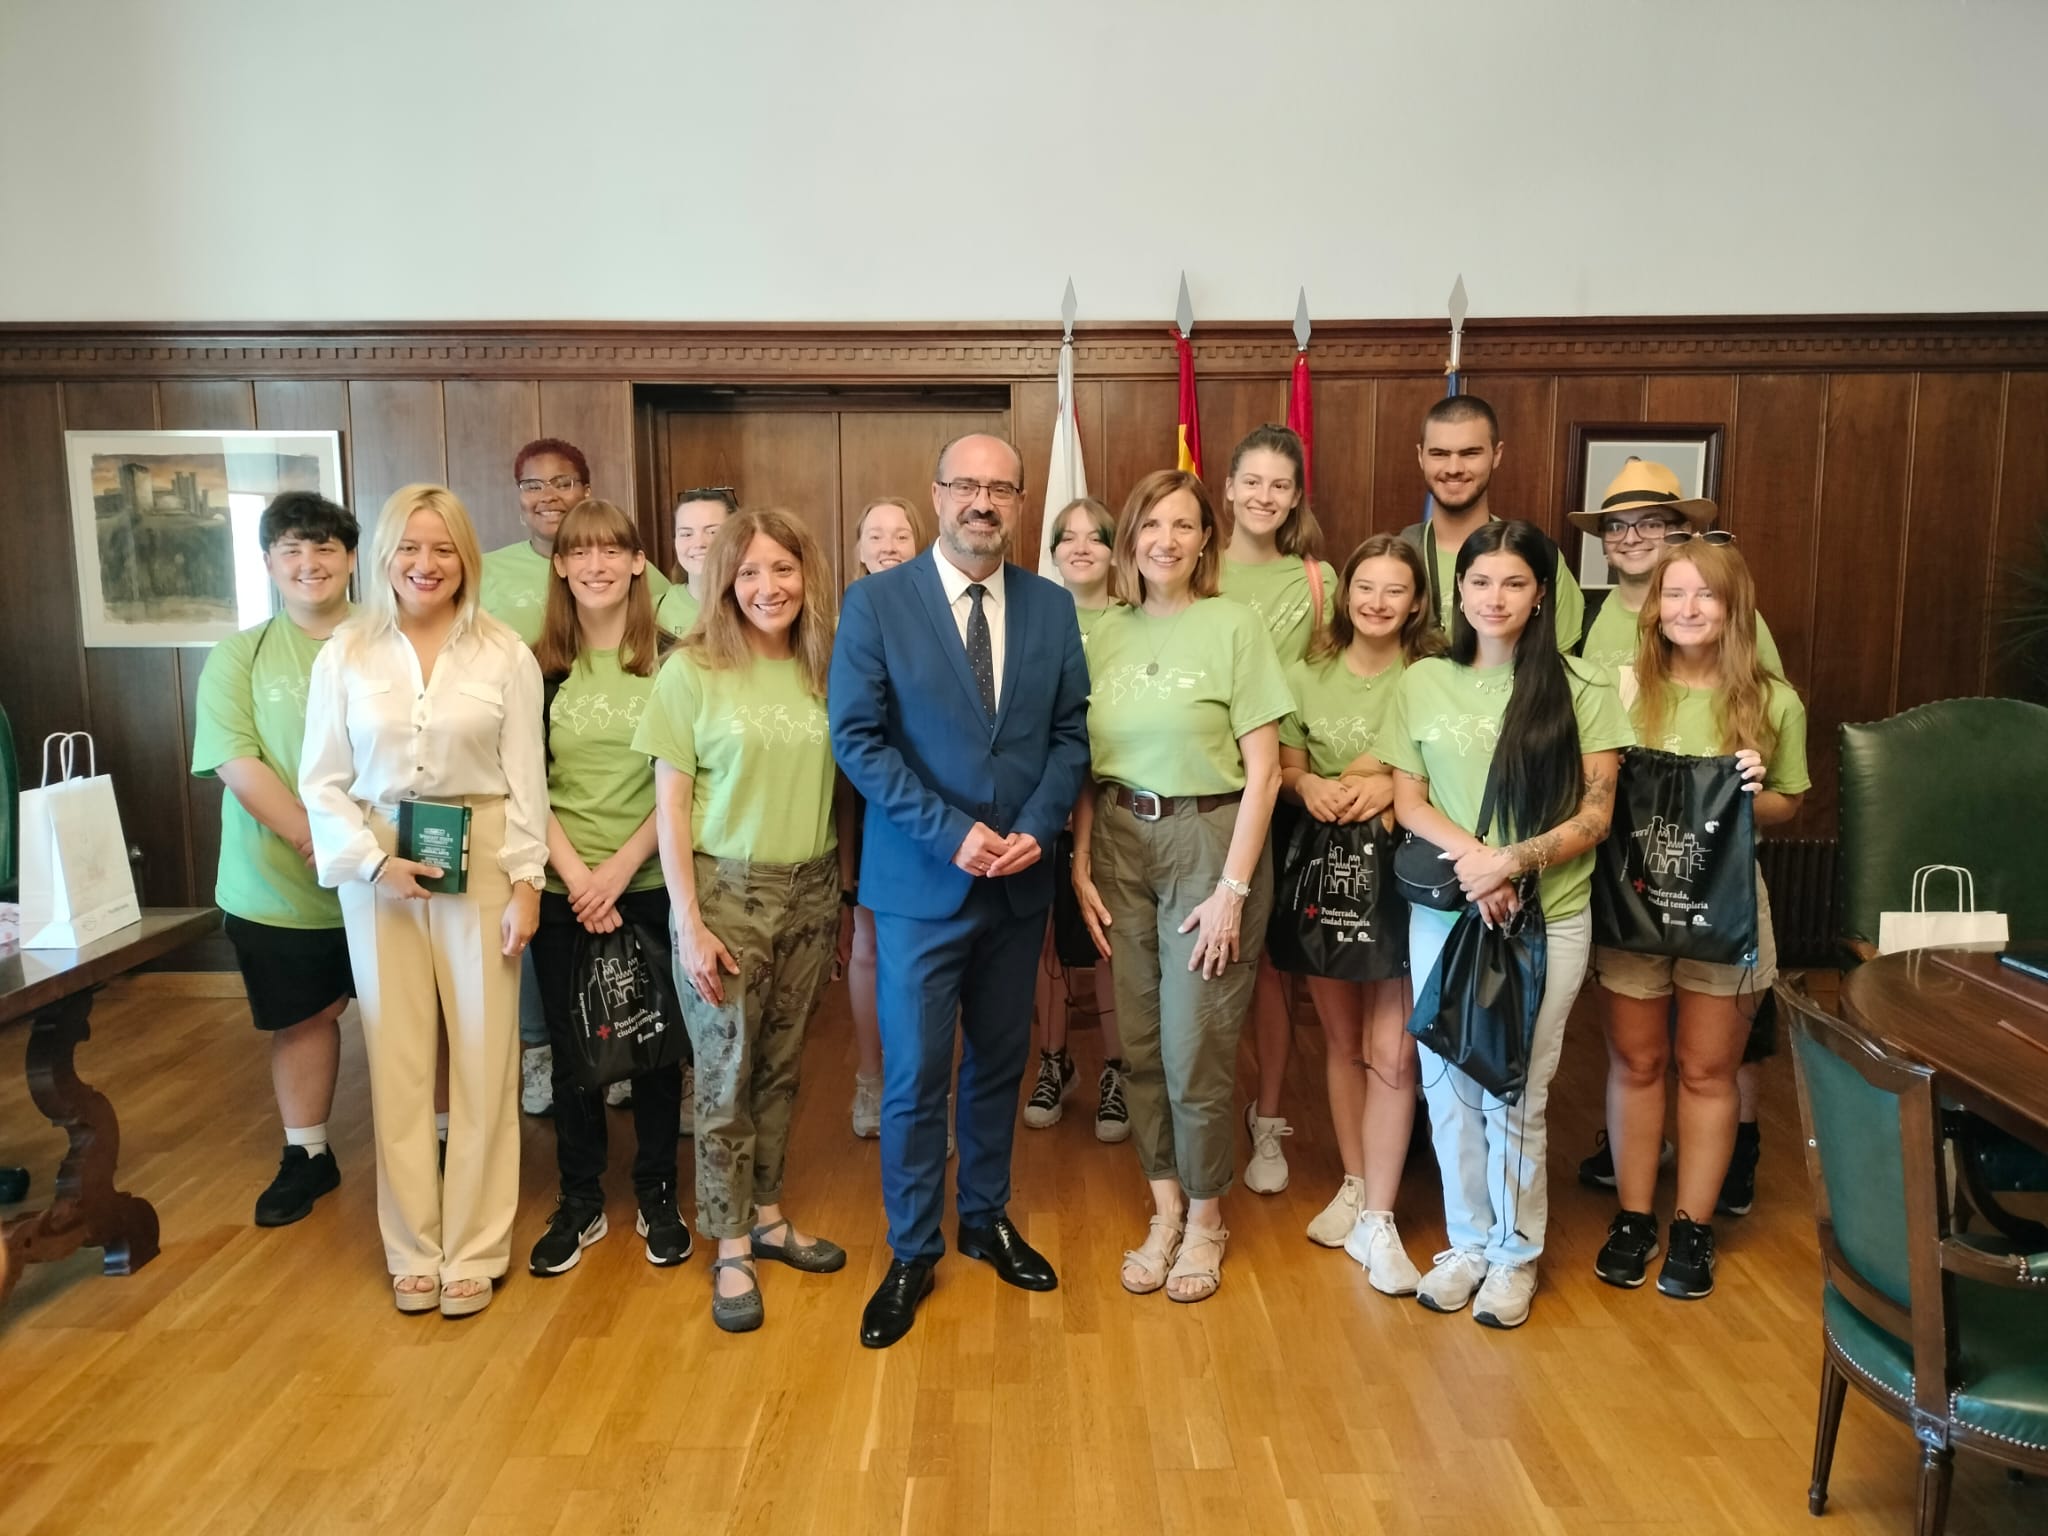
point(252, 703)
point(1169, 697)
point(599, 788)
point(1279, 592)
point(1689, 729)
point(1445, 724)
point(514, 589)
point(758, 745)
point(1337, 714)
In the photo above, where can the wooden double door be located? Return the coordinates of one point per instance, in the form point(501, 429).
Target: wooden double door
point(820, 455)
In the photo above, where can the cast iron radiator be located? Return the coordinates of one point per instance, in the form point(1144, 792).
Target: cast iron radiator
point(1800, 875)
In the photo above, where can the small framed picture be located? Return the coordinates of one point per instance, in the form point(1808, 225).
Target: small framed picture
point(1598, 449)
point(165, 526)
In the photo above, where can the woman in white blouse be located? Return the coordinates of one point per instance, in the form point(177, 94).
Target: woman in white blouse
point(423, 696)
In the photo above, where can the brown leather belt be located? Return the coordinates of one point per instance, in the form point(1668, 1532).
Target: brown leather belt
point(1146, 806)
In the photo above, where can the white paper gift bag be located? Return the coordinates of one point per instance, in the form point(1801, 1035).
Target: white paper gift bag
point(76, 885)
point(1922, 929)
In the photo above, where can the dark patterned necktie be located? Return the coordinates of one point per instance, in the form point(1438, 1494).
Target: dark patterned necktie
point(980, 653)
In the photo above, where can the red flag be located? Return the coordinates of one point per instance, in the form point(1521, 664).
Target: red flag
point(1301, 416)
point(1189, 456)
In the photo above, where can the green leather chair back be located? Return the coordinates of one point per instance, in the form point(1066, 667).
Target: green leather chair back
point(1862, 1165)
point(10, 809)
point(1958, 782)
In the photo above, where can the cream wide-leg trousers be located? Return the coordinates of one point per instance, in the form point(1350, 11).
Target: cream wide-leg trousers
point(420, 965)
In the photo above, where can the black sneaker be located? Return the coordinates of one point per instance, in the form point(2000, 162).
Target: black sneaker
point(13, 1185)
point(570, 1230)
point(1049, 1094)
point(1112, 1114)
point(661, 1224)
point(1688, 1271)
point(1631, 1244)
point(301, 1179)
point(1597, 1171)
point(1738, 1189)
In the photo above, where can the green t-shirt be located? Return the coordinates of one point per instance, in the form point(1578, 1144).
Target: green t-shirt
point(1689, 729)
point(1278, 591)
point(515, 587)
point(1170, 697)
point(677, 611)
point(1571, 602)
point(1337, 714)
point(599, 788)
point(252, 703)
point(1444, 724)
point(758, 745)
point(1612, 637)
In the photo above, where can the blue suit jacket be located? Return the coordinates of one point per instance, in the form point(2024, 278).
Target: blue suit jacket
point(910, 734)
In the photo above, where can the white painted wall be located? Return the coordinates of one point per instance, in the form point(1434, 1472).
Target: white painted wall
point(916, 159)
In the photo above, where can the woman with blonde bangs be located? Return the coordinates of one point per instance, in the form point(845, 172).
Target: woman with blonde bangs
point(1081, 538)
point(1171, 867)
point(1700, 691)
point(424, 697)
point(599, 650)
point(1330, 770)
point(1272, 562)
point(744, 803)
point(889, 531)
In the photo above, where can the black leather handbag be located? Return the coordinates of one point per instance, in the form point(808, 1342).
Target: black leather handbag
point(1423, 876)
point(1478, 1008)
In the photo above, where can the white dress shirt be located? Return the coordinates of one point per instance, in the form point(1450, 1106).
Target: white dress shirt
point(377, 734)
point(956, 583)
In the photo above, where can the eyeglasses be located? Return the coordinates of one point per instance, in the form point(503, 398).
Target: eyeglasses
point(559, 483)
point(1649, 529)
point(1711, 536)
point(1001, 493)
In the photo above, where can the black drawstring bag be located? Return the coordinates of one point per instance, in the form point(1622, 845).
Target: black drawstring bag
point(1335, 912)
point(1478, 1008)
point(625, 1018)
point(1071, 945)
point(1677, 873)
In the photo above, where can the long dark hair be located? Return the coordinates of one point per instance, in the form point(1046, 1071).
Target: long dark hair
point(1538, 752)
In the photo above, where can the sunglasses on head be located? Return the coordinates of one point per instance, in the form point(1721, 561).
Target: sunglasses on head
point(1710, 536)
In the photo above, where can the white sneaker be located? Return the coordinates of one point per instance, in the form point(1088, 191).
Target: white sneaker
point(1376, 1244)
point(1450, 1284)
point(1266, 1173)
point(619, 1095)
point(1503, 1301)
point(867, 1106)
point(1334, 1221)
point(686, 1117)
point(537, 1079)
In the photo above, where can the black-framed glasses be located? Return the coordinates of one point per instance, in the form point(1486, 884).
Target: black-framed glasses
point(1001, 493)
point(1649, 529)
point(558, 483)
point(1709, 536)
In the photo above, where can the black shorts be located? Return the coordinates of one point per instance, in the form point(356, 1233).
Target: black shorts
point(290, 973)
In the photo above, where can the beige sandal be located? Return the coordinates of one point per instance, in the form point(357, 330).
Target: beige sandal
point(1208, 1277)
point(1149, 1260)
point(428, 1300)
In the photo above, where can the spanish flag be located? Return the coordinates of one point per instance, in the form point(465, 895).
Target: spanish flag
point(1190, 431)
point(1301, 417)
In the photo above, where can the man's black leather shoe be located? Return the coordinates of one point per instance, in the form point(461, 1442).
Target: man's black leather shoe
point(1001, 1244)
point(893, 1307)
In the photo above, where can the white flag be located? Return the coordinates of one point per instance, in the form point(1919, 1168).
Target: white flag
point(1066, 477)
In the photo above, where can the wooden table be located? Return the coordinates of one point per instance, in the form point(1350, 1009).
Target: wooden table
point(1982, 1027)
point(51, 989)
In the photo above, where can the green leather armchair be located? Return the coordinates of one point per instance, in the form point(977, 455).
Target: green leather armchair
point(1958, 782)
point(1945, 1334)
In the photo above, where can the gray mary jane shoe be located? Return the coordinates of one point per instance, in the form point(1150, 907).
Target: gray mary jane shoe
point(817, 1257)
point(742, 1313)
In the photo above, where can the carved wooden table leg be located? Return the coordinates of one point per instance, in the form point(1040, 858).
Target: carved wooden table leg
point(86, 1211)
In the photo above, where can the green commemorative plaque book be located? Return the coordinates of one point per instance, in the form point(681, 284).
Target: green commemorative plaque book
point(432, 833)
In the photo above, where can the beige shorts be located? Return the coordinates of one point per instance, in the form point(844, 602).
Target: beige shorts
point(1651, 976)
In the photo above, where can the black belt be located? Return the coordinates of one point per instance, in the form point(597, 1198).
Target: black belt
point(1147, 806)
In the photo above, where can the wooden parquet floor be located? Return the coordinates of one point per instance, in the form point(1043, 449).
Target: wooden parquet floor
point(260, 1381)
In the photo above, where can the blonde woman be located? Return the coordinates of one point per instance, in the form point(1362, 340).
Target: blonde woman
point(424, 697)
point(889, 531)
point(744, 810)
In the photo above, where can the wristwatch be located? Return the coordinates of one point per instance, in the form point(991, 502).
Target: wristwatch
point(850, 898)
point(1237, 888)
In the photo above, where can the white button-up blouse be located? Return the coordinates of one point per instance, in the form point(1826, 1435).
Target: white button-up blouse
point(377, 734)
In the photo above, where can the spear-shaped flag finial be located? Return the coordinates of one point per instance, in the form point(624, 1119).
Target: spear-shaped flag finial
point(1184, 309)
point(1301, 322)
point(1069, 307)
point(1459, 309)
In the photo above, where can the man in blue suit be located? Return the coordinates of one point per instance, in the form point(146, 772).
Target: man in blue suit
point(959, 704)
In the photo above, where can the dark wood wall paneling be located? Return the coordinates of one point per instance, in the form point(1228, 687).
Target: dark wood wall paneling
point(1884, 474)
